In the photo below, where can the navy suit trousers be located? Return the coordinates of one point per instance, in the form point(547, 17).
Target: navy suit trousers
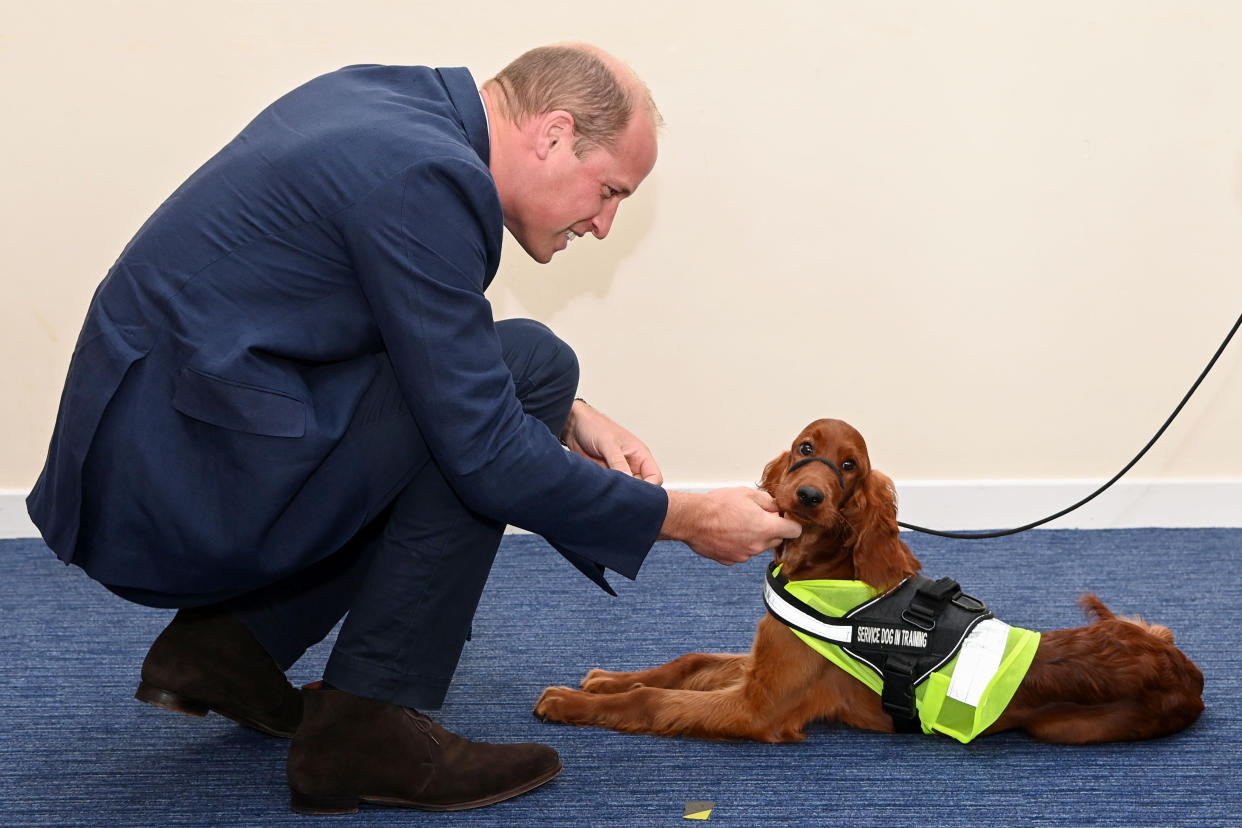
point(409, 583)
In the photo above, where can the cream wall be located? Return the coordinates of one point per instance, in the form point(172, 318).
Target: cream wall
point(1000, 238)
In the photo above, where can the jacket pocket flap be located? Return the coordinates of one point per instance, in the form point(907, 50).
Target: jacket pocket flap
point(238, 407)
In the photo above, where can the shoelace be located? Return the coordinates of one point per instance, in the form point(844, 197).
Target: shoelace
point(422, 723)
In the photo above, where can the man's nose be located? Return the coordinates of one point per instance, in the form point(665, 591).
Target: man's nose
point(602, 223)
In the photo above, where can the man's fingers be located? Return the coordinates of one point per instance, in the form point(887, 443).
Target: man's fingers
point(783, 527)
point(765, 501)
point(789, 529)
point(645, 467)
point(616, 460)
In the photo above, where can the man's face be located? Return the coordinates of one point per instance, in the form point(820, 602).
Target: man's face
point(565, 197)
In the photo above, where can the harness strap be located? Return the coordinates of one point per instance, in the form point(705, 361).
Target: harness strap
point(801, 616)
point(898, 695)
point(903, 657)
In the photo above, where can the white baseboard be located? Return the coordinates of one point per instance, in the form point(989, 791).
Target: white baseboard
point(1129, 504)
point(976, 504)
point(14, 522)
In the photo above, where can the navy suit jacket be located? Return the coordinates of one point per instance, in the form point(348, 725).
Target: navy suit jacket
point(354, 217)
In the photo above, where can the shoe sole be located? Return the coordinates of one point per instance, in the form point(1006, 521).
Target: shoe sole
point(335, 805)
point(168, 700)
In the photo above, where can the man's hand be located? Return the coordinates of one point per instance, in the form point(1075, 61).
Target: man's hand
point(727, 525)
point(598, 438)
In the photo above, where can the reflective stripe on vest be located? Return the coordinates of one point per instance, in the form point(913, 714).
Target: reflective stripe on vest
point(963, 696)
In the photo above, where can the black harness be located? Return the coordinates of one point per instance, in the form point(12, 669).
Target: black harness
point(904, 635)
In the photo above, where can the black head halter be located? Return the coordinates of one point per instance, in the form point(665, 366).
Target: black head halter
point(826, 462)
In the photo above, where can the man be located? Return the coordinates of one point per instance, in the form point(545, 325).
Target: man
point(290, 403)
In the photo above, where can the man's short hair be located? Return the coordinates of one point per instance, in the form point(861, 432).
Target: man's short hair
point(577, 81)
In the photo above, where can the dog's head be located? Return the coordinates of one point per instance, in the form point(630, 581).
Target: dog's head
point(847, 509)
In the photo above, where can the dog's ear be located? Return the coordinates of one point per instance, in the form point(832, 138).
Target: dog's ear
point(773, 472)
point(881, 558)
point(771, 478)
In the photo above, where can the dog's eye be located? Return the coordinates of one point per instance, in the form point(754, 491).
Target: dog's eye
point(849, 465)
point(806, 449)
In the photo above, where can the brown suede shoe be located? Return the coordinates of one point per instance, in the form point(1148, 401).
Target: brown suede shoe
point(207, 660)
point(351, 750)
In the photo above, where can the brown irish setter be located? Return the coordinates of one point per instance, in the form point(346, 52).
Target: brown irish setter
point(1115, 679)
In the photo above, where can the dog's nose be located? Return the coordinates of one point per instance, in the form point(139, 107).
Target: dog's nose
point(810, 496)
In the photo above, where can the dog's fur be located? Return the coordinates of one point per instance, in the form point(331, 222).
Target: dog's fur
point(1116, 679)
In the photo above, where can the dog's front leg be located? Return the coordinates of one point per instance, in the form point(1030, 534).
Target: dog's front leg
point(693, 671)
point(717, 714)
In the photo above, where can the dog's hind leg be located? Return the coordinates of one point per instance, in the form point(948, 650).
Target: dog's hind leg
point(1123, 720)
point(693, 671)
point(1114, 680)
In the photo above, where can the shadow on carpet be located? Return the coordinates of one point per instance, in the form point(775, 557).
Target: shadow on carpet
point(76, 749)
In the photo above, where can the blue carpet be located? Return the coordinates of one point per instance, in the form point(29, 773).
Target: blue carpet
point(76, 749)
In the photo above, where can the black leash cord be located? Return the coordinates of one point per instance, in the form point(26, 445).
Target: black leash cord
point(1002, 533)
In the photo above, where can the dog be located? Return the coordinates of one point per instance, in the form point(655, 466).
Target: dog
point(1116, 679)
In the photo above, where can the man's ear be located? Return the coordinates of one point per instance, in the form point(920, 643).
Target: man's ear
point(554, 130)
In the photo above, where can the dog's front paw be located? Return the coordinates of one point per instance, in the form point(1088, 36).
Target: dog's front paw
point(606, 681)
point(551, 705)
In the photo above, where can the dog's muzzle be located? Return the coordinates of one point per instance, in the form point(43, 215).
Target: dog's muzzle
point(826, 462)
point(811, 496)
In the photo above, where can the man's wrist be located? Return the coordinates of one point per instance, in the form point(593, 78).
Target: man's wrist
point(574, 408)
point(680, 519)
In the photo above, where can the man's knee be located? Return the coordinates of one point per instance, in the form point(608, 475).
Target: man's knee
point(544, 369)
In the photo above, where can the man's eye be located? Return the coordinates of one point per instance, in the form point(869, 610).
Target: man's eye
point(849, 465)
point(806, 449)
point(609, 192)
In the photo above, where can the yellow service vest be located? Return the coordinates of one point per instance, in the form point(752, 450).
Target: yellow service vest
point(961, 697)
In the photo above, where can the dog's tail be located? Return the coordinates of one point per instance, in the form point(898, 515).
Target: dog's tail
point(1096, 611)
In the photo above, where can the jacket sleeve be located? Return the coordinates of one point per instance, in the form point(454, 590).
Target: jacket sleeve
point(424, 245)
